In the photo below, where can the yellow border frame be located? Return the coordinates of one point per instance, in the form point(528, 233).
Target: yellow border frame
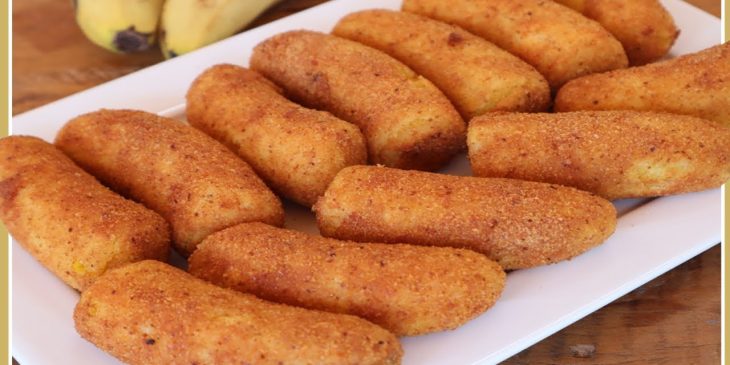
point(726, 209)
point(4, 131)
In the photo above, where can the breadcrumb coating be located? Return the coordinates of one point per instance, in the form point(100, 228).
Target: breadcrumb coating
point(477, 76)
point(409, 290)
point(408, 123)
point(194, 182)
point(519, 224)
point(154, 314)
point(695, 84)
point(615, 154)
point(644, 27)
point(296, 150)
point(559, 42)
point(68, 221)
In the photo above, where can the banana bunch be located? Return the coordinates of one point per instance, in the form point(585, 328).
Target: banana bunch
point(190, 24)
point(127, 26)
point(120, 25)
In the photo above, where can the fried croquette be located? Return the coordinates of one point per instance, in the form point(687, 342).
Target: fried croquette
point(194, 182)
point(559, 42)
point(407, 122)
point(68, 221)
point(696, 84)
point(154, 314)
point(297, 151)
point(615, 154)
point(644, 27)
point(519, 224)
point(477, 76)
point(408, 290)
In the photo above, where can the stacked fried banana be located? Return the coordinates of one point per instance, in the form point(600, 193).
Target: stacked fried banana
point(403, 252)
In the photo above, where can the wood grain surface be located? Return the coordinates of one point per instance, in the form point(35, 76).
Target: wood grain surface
point(674, 319)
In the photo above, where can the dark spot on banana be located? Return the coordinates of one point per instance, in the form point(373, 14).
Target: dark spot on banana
point(162, 35)
point(130, 40)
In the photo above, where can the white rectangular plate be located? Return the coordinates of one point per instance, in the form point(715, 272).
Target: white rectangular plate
point(651, 238)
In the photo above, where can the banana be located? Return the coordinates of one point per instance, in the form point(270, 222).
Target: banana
point(122, 26)
point(190, 24)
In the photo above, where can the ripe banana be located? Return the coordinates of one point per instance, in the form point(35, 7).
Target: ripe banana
point(119, 25)
point(190, 24)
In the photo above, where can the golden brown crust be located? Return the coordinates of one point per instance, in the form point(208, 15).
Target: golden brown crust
point(68, 221)
point(644, 27)
point(696, 84)
point(409, 290)
point(615, 154)
point(152, 313)
point(193, 181)
point(560, 43)
point(407, 122)
point(517, 223)
point(297, 151)
point(476, 75)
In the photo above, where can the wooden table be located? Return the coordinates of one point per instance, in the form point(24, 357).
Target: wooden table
point(674, 319)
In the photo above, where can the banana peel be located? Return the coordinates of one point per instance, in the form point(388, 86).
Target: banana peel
point(187, 25)
point(122, 26)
